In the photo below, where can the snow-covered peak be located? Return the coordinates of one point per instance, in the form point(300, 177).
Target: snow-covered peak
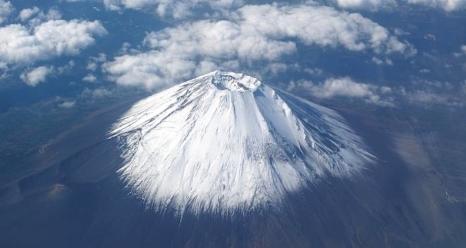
point(224, 142)
point(233, 81)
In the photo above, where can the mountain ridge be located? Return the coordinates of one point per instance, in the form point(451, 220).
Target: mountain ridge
point(225, 141)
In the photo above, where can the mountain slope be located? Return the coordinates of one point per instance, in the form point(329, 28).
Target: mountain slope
point(225, 141)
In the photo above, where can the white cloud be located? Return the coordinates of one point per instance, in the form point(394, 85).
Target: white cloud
point(345, 87)
point(66, 68)
point(252, 34)
point(324, 26)
point(432, 93)
point(366, 4)
point(96, 93)
point(180, 9)
point(423, 96)
point(35, 16)
point(90, 78)
point(220, 39)
point(100, 92)
point(36, 75)
point(379, 61)
point(448, 5)
point(149, 70)
point(67, 104)
point(172, 8)
point(463, 48)
point(6, 8)
point(313, 71)
point(428, 93)
point(342, 87)
point(94, 62)
point(21, 45)
point(26, 14)
point(429, 98)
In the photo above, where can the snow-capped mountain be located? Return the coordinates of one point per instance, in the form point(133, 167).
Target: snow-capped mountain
point(225, 141)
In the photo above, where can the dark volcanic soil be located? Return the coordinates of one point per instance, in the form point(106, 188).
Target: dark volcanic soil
point(70, 195)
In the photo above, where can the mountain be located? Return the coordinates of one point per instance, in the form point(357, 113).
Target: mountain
point(226, 142)
point(192, 148)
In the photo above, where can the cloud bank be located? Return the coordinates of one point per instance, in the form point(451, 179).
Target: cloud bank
point(181, 9)
point(253, 34)
point(22, 45)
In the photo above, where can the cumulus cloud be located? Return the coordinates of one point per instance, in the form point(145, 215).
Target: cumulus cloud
point(150, 70)
point(6, 8)
point(36, 75)
point(173, 8)
point(345, 87)
point(322, 26)
point(22, 45)
point(252, 34)
point(463, 48)
point(35, 16)
point(26, 14)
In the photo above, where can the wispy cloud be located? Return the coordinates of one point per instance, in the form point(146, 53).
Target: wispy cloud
point(365, 4)
point(447, 5)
